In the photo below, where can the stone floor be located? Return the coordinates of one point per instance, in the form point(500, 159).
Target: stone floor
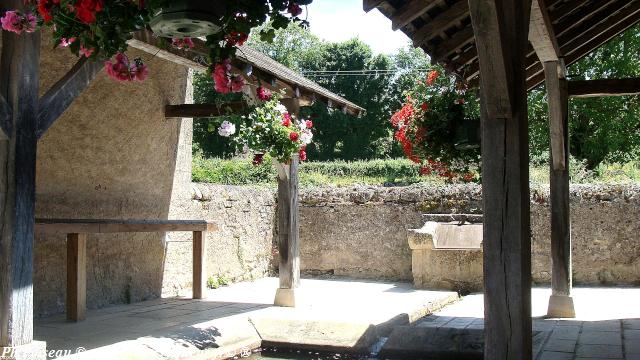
point(239, 317)
point(607, 324)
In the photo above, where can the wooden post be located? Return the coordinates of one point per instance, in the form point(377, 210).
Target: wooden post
point(19, 87)
point(560, 302)
point(76, 276)
point(501, 29)
point(288, 232)
point(199, 264)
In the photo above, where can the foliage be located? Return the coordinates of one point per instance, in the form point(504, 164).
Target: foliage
point(216, 281)
point(428, 125)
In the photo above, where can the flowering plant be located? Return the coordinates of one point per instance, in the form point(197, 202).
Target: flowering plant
point(429, 126)
point(270, 129)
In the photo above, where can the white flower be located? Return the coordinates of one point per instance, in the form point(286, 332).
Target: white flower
point(226, 129)
point(281, 108)
point(306, 137)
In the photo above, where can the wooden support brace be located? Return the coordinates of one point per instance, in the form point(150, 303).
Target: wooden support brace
point(76, 276)
point(199, 264)
point(541, 34)
point(558, 107)
point(604, 87)
point(65, 91)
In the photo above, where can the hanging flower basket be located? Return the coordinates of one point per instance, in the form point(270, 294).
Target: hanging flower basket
point(188, 18)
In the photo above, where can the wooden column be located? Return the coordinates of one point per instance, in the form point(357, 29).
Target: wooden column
point(560, 302)
point(76, 276)
point(288, 232)
point(199, 264)
point(19, 87)
point(501, 29)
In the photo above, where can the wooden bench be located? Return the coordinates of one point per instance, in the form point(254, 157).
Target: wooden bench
point(77, 230)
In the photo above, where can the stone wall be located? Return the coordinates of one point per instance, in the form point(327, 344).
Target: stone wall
point(360, 231)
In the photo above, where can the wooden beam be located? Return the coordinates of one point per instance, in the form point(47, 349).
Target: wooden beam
point(199, 264)
point(541, 34)
point(604, 87)
point(501, 29)
point(62, 94)
point(5, 119)
point(440, 23)
point(449, 46)
point(368, 5)
point(410, 11)
point(76, 276)
point(560, 302)
point(196, 58)
point(204, 110)
point(19, 85)
point(103, 226)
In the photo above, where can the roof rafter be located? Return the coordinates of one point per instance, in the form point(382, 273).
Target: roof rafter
point(368, 5)
point(441, 22)
point(410, 11)
point(541, 34)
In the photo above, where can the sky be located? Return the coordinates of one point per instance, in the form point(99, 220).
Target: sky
point(339, 20)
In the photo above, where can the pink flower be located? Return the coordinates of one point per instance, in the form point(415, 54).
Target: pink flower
point(294, 9)
point(186, 43)
point(294, 136)
point(64, 42)
point(309, 124)
point(121, 70)
point(303, 155)
point(286, 119)
point(224, 81)
point(86, 52)
point(237, 83)
point(16, 22)
point(139, 70)
point(263, 94)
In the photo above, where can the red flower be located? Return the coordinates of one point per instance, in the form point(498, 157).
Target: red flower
point(286, 119)
point(460, 101)
point(309, 124)
point(257, 159)
point(468, 177)
point(425, 170)
point(303, 155)
point(294, 9)
point(431, 78)
point(294, 136)
point(263, 94)
point(424, 106)
point(236, 38)
point(44, 8)
point(86, 10)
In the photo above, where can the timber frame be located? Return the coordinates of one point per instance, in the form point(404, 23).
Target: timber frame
point(485, 43)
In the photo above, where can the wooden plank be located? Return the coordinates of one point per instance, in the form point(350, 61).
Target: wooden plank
point(65, 91)
point(5, 119)
point(604, 87)
point(205, 110)
point(76, 276)
point(556, 97)
point(368, 5)
point(196, 58)
point(199, 264)
point(449, 46)
point(440, 23)
point(115, 226)
point(501, 29)
point(19, 85)
point(410, 11)
point(288, 228)
point(541, 34)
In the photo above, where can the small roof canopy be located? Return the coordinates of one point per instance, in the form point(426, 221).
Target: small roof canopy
point(442, 28)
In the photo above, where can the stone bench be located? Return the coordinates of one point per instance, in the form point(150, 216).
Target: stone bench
point(446, 253)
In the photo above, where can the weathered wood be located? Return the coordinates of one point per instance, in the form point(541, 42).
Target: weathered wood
point(557, 99)
point(76, 276)
point(541, 34)
point(5, 119)
point(458, 40)
point(501, 29)
point(62, 94)
point(199, 264)
point(196, 58)
point(288, 230)
point(604, 87)
point(19, 84)
point(204, 110)
point(368, 5)
point(441, 22)
point(98, 226)
point(410, 11)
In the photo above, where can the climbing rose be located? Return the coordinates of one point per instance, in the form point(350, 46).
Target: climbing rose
point(227, 129)
point(309, 124)
point(286, 119)
point(263, 94)
point(303, 155)
point(86, 10)
point(294, 9)
point(16, 22)
point(294, 136)
point(432, 76)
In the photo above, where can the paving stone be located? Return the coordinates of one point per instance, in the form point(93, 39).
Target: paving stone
point(566, 332)
point(600, 338)
point(599, 351)
point(553, 355)
point(632, 334)
point(568, 346)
